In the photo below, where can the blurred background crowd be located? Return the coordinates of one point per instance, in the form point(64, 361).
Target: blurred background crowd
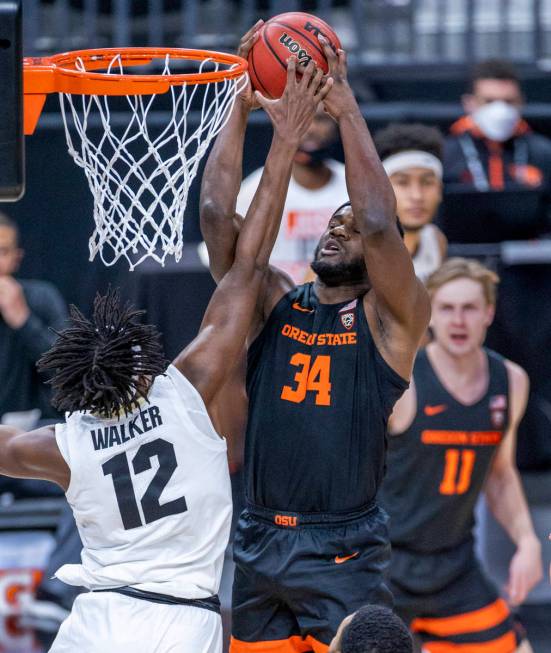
point(466, 81)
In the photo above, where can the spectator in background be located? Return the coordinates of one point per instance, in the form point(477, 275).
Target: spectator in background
point(492, 147)
point(372, 629)
point(317, 185)
point(412, 158)
point(29, 309)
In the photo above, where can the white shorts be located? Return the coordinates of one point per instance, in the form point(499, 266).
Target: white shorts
point(108, 622)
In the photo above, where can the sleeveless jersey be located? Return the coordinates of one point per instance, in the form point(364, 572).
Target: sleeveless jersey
point(320, 395)
point(150, 494)
point(437, 467)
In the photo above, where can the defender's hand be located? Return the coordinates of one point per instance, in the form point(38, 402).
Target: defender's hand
point(293, 112)
point(247, 41)
point(525, 571)
point(341, 97)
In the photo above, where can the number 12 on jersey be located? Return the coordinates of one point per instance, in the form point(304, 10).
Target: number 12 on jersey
point(311, 377)
point(119, 469)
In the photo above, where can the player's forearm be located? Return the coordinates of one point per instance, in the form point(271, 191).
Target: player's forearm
point(223, 171)
point(261, 226)
point(506, 500)
point(369, 188)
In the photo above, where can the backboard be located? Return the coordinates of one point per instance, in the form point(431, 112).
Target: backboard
point(12, 183)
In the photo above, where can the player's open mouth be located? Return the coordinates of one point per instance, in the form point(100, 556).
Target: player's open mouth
point(459, 338)
point(330, 248)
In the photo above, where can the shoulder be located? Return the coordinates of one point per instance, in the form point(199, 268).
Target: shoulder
point(517, 375)
point(519, 385)
point(278, 284)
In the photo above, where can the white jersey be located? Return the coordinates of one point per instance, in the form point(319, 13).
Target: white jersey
point(150, 494)
point(305, 217)
point(428, 257)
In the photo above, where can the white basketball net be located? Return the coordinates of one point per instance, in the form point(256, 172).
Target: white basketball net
point(140, 176)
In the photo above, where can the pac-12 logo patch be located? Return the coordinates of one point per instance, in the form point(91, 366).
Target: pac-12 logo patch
point(347, 320)
point(498, 409)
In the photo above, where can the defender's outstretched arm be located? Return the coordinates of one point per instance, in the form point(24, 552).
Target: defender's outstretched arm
point(222, 177)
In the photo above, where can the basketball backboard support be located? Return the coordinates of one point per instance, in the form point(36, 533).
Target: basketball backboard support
point(12, 182)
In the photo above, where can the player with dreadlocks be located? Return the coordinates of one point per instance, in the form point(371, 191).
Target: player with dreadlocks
point(102, 365)
point(139, 456)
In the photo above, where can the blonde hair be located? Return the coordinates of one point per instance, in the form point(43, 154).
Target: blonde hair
point(462, 268)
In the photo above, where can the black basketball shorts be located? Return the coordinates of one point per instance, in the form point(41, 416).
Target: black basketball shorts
point(297, 576)
point(449, 603)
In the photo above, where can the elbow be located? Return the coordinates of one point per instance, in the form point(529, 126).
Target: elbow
point(375, 223)
point(377, 216)
point(213, 212)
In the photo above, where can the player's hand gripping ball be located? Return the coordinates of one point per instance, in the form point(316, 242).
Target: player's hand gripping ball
point(293, 33)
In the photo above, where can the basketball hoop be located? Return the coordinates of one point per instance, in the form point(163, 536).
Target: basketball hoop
point(139, 179)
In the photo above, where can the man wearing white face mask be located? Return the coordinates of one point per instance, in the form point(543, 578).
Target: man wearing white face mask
point(492, 147)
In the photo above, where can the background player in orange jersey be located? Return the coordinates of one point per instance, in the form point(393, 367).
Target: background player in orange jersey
point(453, 435)
point(327, 363)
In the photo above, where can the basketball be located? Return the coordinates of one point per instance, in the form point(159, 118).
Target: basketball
point(292, 33)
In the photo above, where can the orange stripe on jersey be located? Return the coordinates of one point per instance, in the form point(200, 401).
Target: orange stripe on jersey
point(506, 644)
point(291, 645)
point(472, 438)
point(468, 622)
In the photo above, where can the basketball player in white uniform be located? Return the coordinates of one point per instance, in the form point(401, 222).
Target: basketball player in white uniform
point(139, 456)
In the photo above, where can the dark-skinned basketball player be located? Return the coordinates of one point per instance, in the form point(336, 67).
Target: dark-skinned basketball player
point(453, 435)
point(327, 363)
point(139, 455)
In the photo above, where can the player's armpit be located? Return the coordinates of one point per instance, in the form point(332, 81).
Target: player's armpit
point(398, 340)
point(33, 455)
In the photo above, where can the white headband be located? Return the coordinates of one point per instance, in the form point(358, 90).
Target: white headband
point(413, 159)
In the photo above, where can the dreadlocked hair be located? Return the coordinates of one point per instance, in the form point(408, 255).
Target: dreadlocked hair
point(100, 365)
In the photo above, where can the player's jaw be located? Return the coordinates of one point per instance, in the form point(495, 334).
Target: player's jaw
point(336, 263)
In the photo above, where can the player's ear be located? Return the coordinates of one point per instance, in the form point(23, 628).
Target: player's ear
point(490, 314)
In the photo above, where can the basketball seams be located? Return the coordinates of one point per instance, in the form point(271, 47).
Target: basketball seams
point(315, 45)
point(271, 48)
point(256, 75)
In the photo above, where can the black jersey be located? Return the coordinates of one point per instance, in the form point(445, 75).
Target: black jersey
point(437, 467)
point(320, 395)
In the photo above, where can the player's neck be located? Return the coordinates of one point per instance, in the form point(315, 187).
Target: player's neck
point(465, 368)
point(411, 241)
point(311, 177)
point(337, 294)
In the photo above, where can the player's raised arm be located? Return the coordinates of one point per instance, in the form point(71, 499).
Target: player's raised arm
point(222, 177)
point(401, 302)
point(230, 313)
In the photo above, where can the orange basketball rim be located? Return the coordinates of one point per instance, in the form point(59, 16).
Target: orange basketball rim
point(77, 73)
